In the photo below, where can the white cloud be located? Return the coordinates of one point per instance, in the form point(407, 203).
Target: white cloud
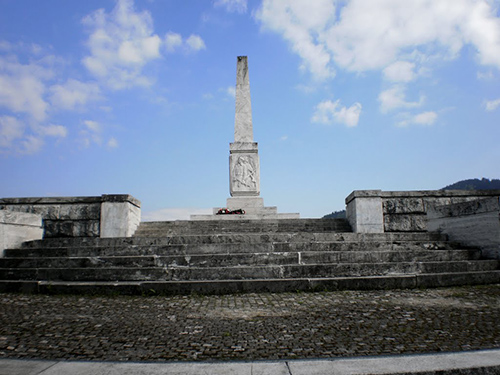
point(328, 112)
point(365, 35)
point(93, 126)
point(53, 131)
point(22, 87)
point(304, 25)
point(11, 129)
point(400, 71)
point(195, 43)
point(31, 145)
point(172, 41)
point(112, 143)
point(121, 43)
point(395, 98)
point(91, 133)
point(486, 76)
point(167, 214)
point(231, 91)
point(424, 118)
point(232, 6)
point(491, 105)
point(74, 94)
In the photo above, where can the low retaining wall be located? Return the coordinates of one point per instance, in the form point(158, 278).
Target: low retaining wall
point(104, 216)
point(474, 223)
point(376, 211)
point(18, 227)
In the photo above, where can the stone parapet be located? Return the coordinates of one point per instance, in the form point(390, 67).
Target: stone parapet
point(474, 223)
point(106, 215)
point(18, 227)
point(403, 211)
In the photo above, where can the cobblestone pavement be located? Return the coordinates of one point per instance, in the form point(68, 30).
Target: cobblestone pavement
point(249, 326)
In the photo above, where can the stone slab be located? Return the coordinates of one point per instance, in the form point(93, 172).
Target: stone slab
point(24, 367)
point(20, 218)
point(484, 362)
point(365, 214)
point(472, 223)
point(67, 200)
point(422, 193)
point(18, 227)
point(119, 219)
point(449, 363)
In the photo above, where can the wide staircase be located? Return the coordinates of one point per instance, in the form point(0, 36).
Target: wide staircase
point(231, 256)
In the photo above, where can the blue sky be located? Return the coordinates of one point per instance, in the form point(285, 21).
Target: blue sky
point(137, 97)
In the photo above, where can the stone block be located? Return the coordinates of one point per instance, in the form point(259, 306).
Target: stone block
point(83, 211)
point(403, 205)
point(365, 213)
point(405, 223)
point(71, 228)
point(18, 227)
point(119, 219)
point(473, 223)
point(244, 171)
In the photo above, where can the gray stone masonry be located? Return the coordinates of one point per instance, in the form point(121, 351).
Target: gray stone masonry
point(18, 227)
point(402, 211)
point(475, 223)
point(104, 216)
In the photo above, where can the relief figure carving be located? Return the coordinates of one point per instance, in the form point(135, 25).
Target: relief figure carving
point(244, 173)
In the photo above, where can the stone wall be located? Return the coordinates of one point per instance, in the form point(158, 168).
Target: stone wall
point(475, 223)
point(402, 211)
point(18, 227)
point(104, 216)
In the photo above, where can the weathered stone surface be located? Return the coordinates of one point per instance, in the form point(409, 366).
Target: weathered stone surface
point(405, 223)
point(119, 219)
point(474, 223)
point(243, 129)
point(71, 228)
point(406, 210)
point(403, 205)
point(365, 214)
point(78, 216)
point(18, 227)
point(245, 174)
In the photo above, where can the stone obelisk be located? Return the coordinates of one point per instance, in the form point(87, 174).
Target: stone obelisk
point(244, 168)
point(244, 165)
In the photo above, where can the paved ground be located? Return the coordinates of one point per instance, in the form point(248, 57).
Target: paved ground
point(249, 326)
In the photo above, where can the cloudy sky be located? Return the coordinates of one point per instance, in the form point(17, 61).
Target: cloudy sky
point(137, 97)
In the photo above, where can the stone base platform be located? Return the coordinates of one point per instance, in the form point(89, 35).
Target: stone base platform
point(254, 210)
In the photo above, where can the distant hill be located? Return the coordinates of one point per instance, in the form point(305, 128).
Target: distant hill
point(471, 184)
point(335, 215)
point(474, 184)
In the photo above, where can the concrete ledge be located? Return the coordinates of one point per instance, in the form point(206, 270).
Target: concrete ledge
point(483, 362)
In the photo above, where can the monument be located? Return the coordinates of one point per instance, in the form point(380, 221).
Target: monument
point(244, 164)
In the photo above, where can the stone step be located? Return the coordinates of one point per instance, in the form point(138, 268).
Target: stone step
point(254, 285)
point(245, 238)
point(244, 272)
point(231, 260)
point(226, 248)
point(167, 228)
